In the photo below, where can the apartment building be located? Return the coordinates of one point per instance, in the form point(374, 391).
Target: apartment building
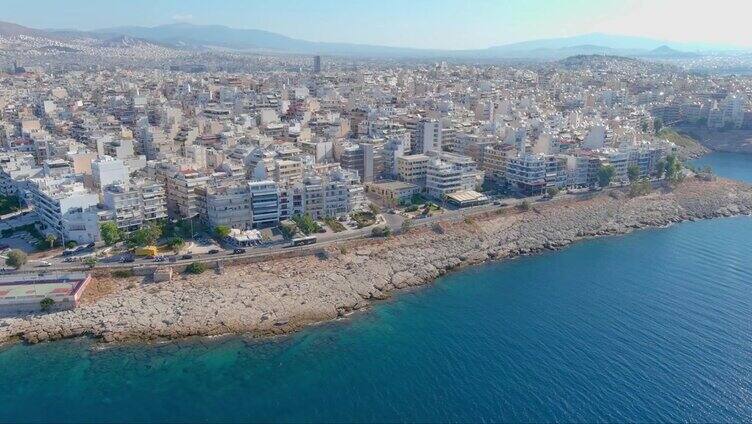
point(108, 170)
point(16, 169)
point(134, 203)
point(427, 136)
point(225, 205)
point(412, 169)
point(266, 204)
point(65, 208)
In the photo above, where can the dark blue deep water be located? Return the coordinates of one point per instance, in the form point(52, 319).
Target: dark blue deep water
point(653, 326)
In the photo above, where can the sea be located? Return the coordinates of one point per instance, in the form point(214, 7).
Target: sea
point(651, 326)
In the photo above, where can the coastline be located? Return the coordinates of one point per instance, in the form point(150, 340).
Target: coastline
point(282, 295)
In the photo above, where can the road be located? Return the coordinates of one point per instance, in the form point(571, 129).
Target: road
point(393, 221)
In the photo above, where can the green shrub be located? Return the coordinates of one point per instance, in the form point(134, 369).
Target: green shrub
point(122, 273)
point(46, 304)
point(196, 268)
point(381, 232)
point(335, 225)
point(16, 258)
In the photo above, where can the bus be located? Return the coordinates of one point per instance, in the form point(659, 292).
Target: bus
point(302, 241)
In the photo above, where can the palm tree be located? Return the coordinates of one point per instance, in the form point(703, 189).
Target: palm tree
point(51, 239)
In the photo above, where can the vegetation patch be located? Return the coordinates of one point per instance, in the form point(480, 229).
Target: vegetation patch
point(335, 225)
point(196, 268)
point(364, 219)
point(381, 232)
point(307, 225)
point(9, 204)
point(122, 273)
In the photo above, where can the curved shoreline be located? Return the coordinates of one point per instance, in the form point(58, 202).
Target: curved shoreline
point(282, 295)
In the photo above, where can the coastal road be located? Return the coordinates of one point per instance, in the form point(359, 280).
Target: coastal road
point(393, 221)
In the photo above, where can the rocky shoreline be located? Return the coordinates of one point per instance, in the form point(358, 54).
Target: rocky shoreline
point(282, 295)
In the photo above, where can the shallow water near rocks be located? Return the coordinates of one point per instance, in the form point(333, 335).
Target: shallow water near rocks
point(653, 326)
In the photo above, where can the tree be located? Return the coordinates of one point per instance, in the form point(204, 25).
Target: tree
point(605, 174)
point(176, 244)
point(673, 168)
point(46, 304)
point(406, 224)
point(306, 224)
point(660, 168)
point(644, 127)
point(196, 268)
point(633, 172)
point(552, 191)
point(639, 188)
point(658, 125)
point(71, 244)
point(525, 205)
point(16, 259)
point(145, 236)
point(110, 233)
point(50, 239)
point(90, 262)
point(380, 232)
point(375, 209)
point(222, 231)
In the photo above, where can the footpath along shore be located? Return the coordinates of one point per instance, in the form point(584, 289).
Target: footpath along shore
point(282, 295)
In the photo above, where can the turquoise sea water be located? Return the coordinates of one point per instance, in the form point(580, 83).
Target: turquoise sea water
point(653, 326)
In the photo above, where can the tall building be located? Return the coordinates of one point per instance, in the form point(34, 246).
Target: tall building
point(65, 208)
point(265, 203)
point(428, 136)
point(317, 64)
point(108, 170)
point(133, 204)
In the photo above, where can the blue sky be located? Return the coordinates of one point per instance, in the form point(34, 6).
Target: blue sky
point(449, 24)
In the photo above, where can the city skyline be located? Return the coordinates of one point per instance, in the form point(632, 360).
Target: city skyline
point(446, 24)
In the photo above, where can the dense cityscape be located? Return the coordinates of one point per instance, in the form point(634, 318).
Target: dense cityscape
point(99, 161)
point(343, 211)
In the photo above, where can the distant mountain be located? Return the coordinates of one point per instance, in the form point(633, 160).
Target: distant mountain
point(201, 37)
point(9, 29)
point(615, 42)
point(219, 36)
point(666, 52)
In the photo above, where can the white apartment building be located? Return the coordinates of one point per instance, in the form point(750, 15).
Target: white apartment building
point(108, 170)
point(427, 136)
point(135, 203)
point(180, 189)
point(65, 208)
point(15, 171)
point(442, 178)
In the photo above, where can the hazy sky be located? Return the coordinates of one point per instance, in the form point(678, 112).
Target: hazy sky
point(448, 24)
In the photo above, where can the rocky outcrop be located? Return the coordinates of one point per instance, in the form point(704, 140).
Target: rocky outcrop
point(278, 296)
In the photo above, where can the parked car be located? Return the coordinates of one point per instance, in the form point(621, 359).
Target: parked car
point(44, 264)
point(127, 259)
point(213, 251)
point(238, 251)
point(70, 259)
point(186, 257)
point(159, 259)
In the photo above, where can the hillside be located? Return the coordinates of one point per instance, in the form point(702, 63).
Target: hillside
point(688, 147)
